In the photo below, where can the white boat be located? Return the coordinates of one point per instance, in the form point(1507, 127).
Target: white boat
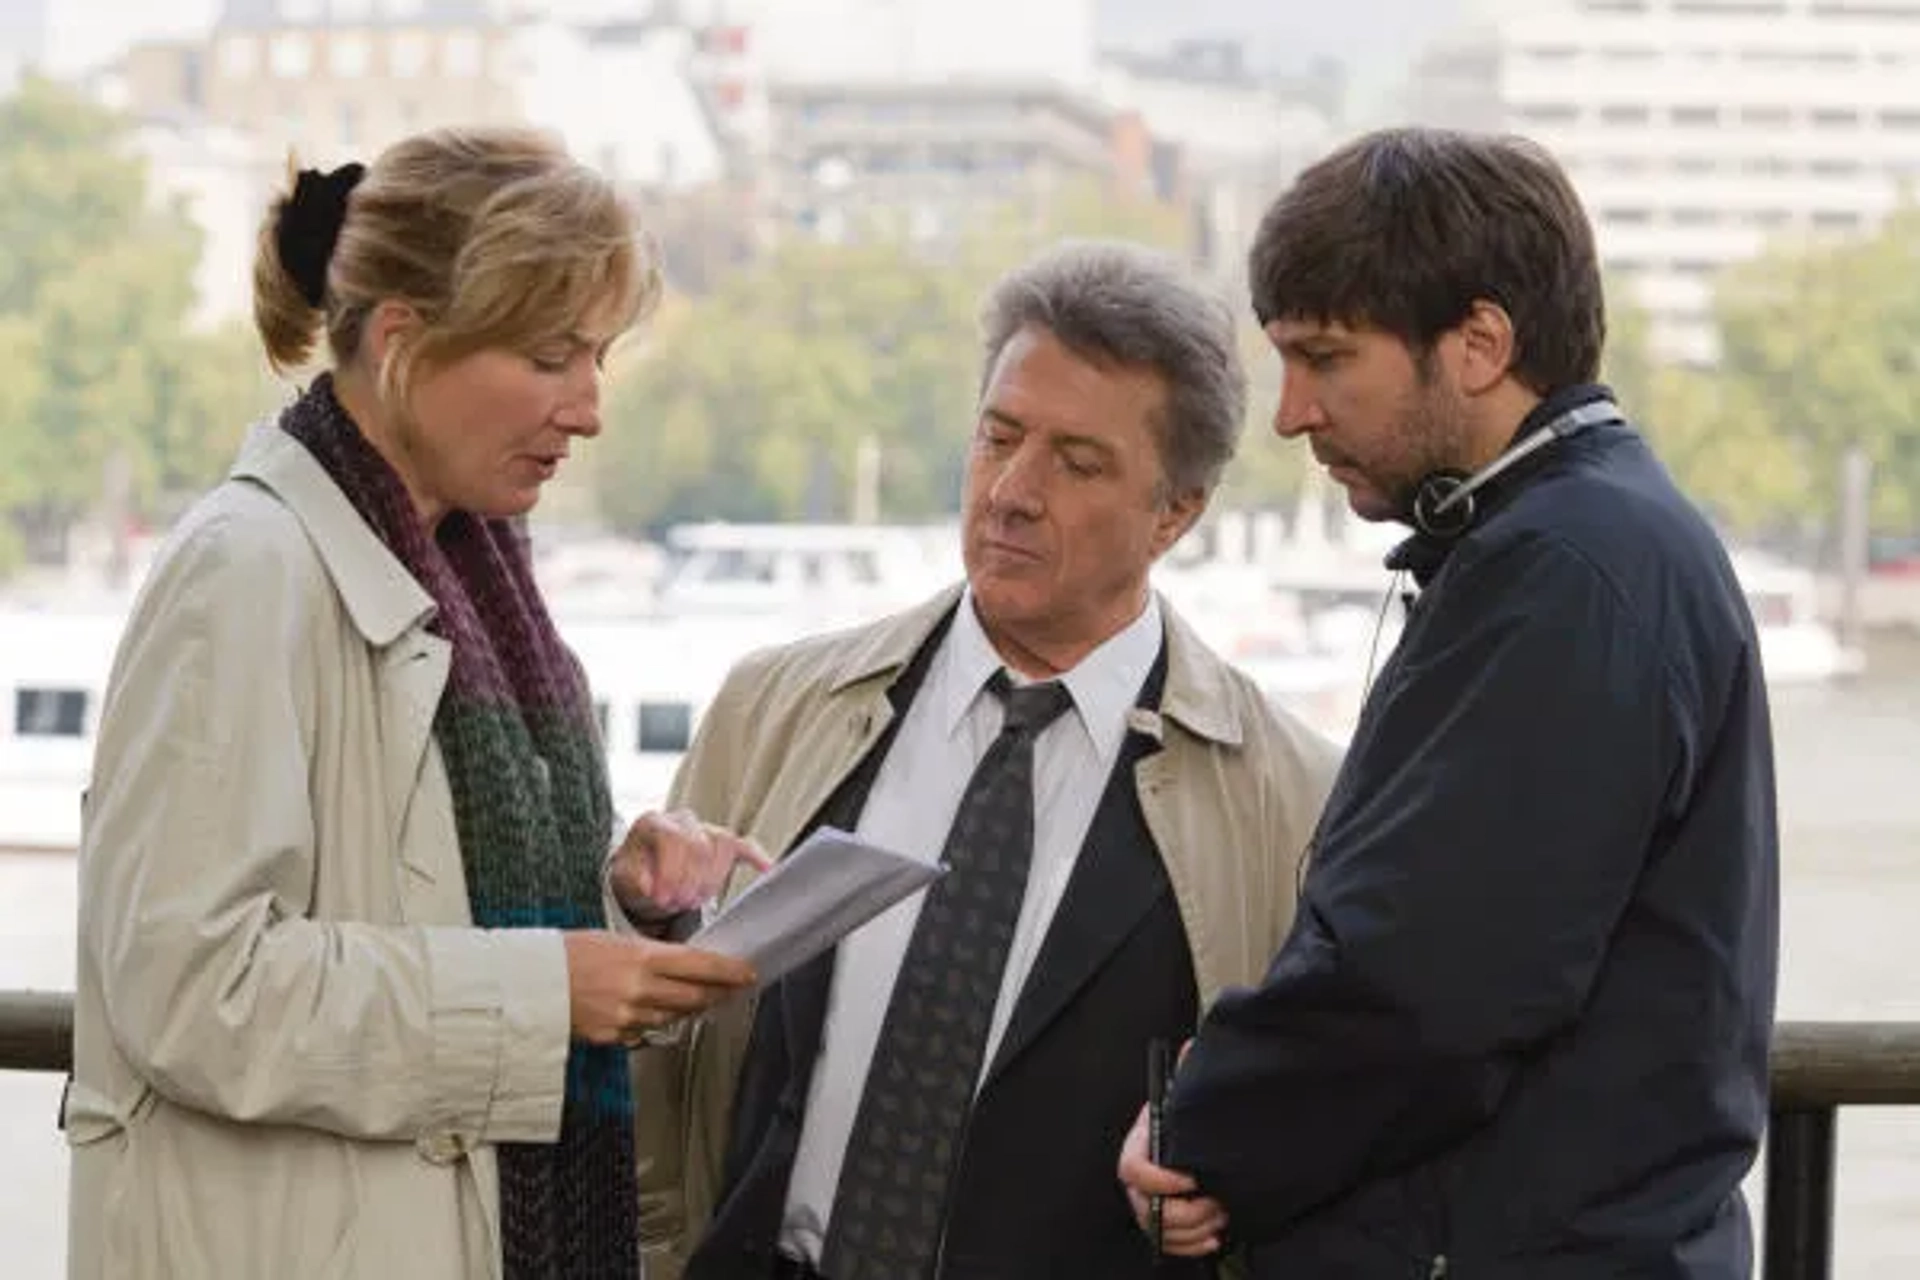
point(1310, 640)
point(1303, 655)
point(53, 666)
point(813, 575)
point(1796, 646)
point(651, 680)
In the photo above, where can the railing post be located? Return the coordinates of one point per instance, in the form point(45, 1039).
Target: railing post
point(1799, 1230)
point(36, 1030)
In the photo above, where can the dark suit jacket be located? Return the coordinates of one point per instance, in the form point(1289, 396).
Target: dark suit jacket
point(1035, 1194)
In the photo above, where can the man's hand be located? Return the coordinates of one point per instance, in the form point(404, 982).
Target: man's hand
point(673, 862)
point(619, 988)
point(1190, 1226)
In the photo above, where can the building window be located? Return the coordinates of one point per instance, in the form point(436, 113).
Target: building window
point(1547, 113)
point(407, 54)
point(460, 55)
point(291, 56)
point(49, 713)
point(1766, 117)
point(239, 57)
point(299, 12)
point(665, 727)
point(1624, 114)
point(1835, 118)
point(1696, 117)
point(1748, 8)
point(347, 56)
point(349, 126)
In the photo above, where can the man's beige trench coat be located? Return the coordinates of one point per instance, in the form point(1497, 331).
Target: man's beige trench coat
point(1231, 799)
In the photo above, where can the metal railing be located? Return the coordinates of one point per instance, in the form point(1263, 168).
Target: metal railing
point(36, 1031)
point(1818, 1067)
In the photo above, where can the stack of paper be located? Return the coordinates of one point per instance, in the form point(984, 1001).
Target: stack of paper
point(830, 885)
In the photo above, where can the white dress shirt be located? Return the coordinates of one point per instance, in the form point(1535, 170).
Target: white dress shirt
point(944, 732)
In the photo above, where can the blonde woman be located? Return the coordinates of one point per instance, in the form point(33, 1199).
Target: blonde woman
point(346, 1006)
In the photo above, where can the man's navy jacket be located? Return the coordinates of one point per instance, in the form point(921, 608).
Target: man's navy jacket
point(1519, 1030)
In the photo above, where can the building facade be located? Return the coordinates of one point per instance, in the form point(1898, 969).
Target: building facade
point(1698, 131)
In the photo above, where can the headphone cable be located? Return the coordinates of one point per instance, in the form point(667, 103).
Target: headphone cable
point(1379, 626)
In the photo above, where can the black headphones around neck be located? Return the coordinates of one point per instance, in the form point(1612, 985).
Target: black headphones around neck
point(1443, 505)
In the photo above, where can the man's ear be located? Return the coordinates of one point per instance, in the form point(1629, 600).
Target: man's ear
point(1484, 348)
point(1177, 515)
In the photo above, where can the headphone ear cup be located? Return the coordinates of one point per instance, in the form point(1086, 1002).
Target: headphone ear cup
point(1443, 507)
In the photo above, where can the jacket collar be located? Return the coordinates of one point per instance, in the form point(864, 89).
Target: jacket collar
point(1196, 697)
point(382, 598)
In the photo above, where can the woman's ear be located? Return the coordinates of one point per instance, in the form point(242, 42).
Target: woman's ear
point(390, 325)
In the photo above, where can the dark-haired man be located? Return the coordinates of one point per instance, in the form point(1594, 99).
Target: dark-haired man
point(1519, 1028)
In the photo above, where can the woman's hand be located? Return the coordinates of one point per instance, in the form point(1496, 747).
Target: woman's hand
point(621, 987)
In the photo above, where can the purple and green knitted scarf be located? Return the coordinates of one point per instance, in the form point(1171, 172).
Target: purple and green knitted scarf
point(515, 728)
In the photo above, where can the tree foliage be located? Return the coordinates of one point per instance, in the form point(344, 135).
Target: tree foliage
point(754, 401)
point(106, 393)
point(1707, 427)
point(753, 396)
point(1823, 342)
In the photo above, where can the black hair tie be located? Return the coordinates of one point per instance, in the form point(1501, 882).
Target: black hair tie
point(309, 226)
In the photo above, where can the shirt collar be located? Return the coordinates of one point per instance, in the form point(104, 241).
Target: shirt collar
point(1104, 684)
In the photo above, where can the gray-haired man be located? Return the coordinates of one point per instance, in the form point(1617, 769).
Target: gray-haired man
point(943, 1095)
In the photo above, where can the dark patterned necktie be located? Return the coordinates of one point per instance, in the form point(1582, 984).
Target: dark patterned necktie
point(891, 1201)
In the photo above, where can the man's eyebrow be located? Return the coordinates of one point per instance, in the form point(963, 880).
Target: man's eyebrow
point(1068, 440)
point(1321, 341)
point(1059, 439)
